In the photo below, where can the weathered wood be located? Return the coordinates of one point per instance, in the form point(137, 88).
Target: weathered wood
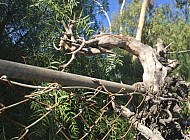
point(155, 70)
point(32, 73)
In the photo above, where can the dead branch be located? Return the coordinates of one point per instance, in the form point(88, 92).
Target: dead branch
point(152, 117)
point(15, 70)
point(176, 52)
point(150, 109)
point(156, 67)
point(155, 70)
point(73, 55)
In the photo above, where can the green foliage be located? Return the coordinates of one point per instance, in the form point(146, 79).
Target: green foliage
point(83, 25)
point(102, 66)
point(75, 115)
point(62, 114)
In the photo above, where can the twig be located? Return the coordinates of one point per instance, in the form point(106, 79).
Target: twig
point(58, 49)
point(178, 52)
point(168, 45)
point(45, 90)
point(39, 93)
point(23, 85)
point(108, 132)
point(68, 28)
point(73, 55)
point(44, 104)
point(115, 94)
point(6, 107)
point(106, 14)
point(168, 99)
point(65, 26)
point(25, 132)
point(96, 92)
point(41, 87)
point(27, 128)
point(38, 120)
point(127, 131)
point(128, 94)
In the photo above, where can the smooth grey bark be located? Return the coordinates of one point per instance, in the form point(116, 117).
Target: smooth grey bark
point(32, 73)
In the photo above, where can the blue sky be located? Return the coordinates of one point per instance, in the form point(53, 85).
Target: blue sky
point(114, 6)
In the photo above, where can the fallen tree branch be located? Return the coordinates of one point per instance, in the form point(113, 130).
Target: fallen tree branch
point(32, 73)
point(155, 63)
point(155, 70)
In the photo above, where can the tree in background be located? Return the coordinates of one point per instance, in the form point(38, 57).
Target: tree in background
point(161, 21)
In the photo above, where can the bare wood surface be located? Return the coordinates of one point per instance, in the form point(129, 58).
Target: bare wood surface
point(156, 65)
